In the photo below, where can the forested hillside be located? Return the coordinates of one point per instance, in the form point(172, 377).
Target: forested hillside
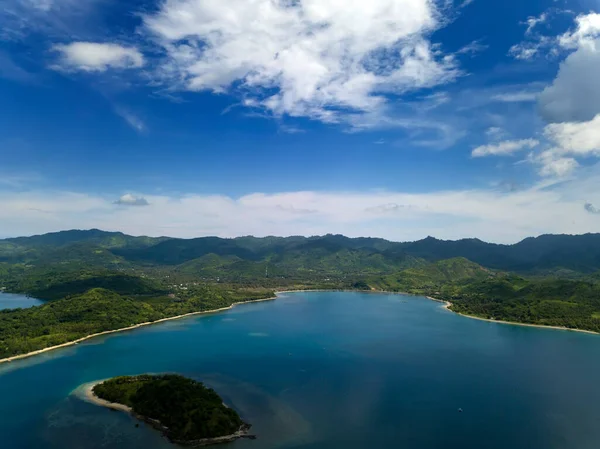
point(330, 254)
point(97, 281)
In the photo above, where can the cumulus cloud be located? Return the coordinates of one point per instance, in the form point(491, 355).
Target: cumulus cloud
point(131, 200)
point(506, 148)
point(579, 139)
point(322, 59)
point(553, 164)
point(569, 141)
point(585, 33)
point(97, 57)
point(575, 93)
point(489, 214)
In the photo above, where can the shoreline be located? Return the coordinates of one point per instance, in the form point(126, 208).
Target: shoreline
point(87, 394)
point(448, 304)
point(124, 329)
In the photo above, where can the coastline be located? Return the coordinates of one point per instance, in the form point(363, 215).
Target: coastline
point(87, 394)
point(448, 304)
point(124, 329)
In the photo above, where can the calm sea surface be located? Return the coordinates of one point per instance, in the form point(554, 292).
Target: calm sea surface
point(328, 371)
point(11, 301)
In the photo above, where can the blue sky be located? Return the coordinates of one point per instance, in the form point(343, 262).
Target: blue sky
point(391, 118)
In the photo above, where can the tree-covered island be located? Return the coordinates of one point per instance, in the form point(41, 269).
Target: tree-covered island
point(184, 410)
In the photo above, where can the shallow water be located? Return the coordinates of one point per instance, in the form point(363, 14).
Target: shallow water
point(12, 301)
point(328, 370)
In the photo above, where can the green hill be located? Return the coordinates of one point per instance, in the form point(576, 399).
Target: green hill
point(563, 255)
point(429, 278)
point(93, 236)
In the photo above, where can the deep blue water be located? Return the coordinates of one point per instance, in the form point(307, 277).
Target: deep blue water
point(329, 371)
point(12, 301)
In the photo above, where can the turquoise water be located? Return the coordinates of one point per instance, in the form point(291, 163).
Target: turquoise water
point(12, 301)
point(329, 371)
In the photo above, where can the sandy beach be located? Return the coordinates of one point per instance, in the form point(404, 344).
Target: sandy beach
point(136, 326)
point(89, 396)
point(448, 304)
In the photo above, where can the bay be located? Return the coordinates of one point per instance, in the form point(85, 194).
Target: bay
point(13, 301)
point(328, 370)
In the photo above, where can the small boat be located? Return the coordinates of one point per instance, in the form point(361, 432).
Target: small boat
point(460, 410)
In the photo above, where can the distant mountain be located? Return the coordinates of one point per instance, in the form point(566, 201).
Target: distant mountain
point(93, 236)
point(178, 251)
point(75, 246)
point(547, 254)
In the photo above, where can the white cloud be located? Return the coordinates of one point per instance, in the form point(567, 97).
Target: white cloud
point(569, 141)
point(527, 50)
point(495, 132)
point(488, 214)
point(578, 139)
point(53, 18)
point(535, 43)
point(586, 32)
point(533, 22)
point(132, 120)
point(44, 5)
point(321, 59)
point(552, 164)
point(472, 48)
point(97, 57)
point(130, 200)
point(505, 148)
point(516, 97)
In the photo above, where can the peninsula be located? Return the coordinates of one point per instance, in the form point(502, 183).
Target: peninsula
point(184, 410)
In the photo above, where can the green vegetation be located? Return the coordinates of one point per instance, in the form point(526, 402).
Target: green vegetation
point(100, 310)
point(553, 302)
point(187, 410)
point(56, 284)
point(99, 281)
point(474, 290)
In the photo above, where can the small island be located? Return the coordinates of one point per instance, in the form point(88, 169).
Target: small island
point(184, 410)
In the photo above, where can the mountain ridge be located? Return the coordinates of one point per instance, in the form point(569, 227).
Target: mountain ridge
point(548, 252)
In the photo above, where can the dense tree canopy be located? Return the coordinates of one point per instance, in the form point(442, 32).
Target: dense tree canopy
point(189, 410)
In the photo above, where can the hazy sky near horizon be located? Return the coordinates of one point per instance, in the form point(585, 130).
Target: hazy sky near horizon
point(388, 118)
